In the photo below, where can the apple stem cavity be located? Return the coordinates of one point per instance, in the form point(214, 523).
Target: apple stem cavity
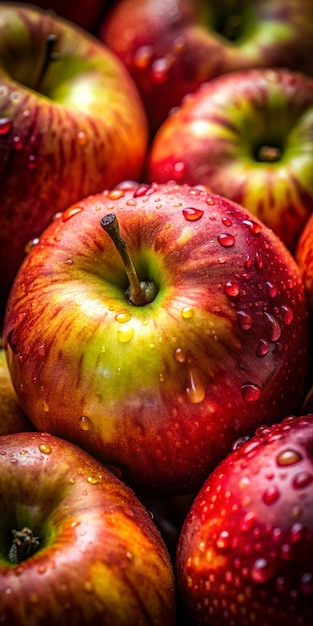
point(269, 154)
point(24, 545)
point(50, 55)
point(139, 292)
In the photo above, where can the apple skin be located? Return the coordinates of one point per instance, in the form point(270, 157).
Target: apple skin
point(247, 135)
point(172, 46)
point(304, 258)
point(83, 130)
point(244, 555)
point(12, 417)
point(101, 559)
point(162, 390)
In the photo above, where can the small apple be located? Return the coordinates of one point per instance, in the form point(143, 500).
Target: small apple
point(247, 135)
point(71, 123)
point(12, 416)
point(172, 46)
point(76, 545)
point(157, 355)
point(245, 553)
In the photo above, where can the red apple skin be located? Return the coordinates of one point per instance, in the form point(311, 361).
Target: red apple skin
point(172, 46)
point(245, 552)
point(88, 133)
point(247, 135)
point(12, 417)
point(162, 390)
point(101, 559)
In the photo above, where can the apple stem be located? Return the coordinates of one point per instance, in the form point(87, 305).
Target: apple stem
point(23, 546)
point(269, 154)
point(139, 292)
point(50, 55)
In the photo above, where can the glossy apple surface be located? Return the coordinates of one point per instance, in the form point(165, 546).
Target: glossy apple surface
point(161, 389)
point(248, 136)
point(304, 258)
point(245, 551)
point(12, 416)
point(171, 46)
point(71, 123)
point(98, 557)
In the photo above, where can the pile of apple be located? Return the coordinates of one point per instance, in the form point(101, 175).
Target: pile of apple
point(156, 294)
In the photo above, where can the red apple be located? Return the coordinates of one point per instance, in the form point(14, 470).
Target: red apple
point(171, 46)
point(71, 123)
point(77, 546)
point(157, 372)
point(245, 553)
point(12, 417)
point(249, 136)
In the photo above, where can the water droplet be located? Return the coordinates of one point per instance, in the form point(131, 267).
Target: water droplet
point(179, 170)
point(85, 423)
point(94, 480)
point(123, 317)
point(288, 457)
point(258, 261)
point(247, 522)
point(31, 162)
point(272, 326)
point(82, 138)
point(254, 227)
point(125, 333)
point(262, 571)
point(271, 289)
point(6, 126)
point(226, 240)
point(231, 289)
point(160, 70)
point(143, 57)
point(250, 392)
point(70, 212)
point(223, 540)
point(116, 194)
point(226, 221)
point(210, 201)
point(306, 583)
point(187, 312)
point(143, 190)
point(17, 143)
point(239, 442)
point(45, 406)
point(180, 356)
point(297, 532)
point(302, 480)
point(287, 314)
point(45, 448)
point(244, 320)
point(271, 495)
point(31, 244)
point(191, 214)
point(42, 349)
point(195, 390)
point(262, 348)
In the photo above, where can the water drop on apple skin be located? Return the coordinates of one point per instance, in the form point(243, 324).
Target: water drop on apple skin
point(85, 423)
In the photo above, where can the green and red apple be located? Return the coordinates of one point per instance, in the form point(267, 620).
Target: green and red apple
point(172, 46)
point(304, 258)
point(155, 324)
point(71, 123)
point(247, 135)
point(76, 545)
point(245, 552)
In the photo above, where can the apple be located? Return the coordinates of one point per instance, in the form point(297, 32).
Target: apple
point(71, 123)
point(77, 546)
point(86, 13)
point(245, 552)
point(154, 324)
point(248, 135)
point(12, 417)
point(172, 46)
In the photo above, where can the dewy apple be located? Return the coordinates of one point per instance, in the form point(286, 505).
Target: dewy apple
point(158, 387)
